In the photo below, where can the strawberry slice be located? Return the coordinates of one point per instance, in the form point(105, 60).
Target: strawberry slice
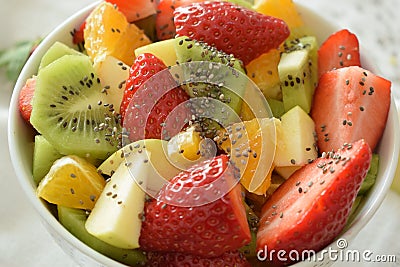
point(144, 66)
point(311, 208)
point(349, 104)
point(341, 49)
point(150, 106)
point(165, 26)
point(207, 216)
point(231, 28)
point(25, 98)
point(135, 9)
point(77, 35)
point(171, 259)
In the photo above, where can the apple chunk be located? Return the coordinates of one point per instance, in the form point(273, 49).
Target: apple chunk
point(295, 139)
point(115, 218)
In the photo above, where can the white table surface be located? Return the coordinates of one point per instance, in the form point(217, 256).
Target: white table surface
point(24, 241)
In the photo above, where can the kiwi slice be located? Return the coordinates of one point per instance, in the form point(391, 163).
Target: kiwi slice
point(372, 173)
point(69, 109)
point(74, 221)
point(210, 73)
point(56, 51)
point(44, 155)
point(309, 43)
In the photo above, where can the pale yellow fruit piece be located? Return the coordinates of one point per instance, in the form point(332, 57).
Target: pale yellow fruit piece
point(72, 182)
point(113, 74)
point(295, 139)
point(116, 217)
point(164, 50)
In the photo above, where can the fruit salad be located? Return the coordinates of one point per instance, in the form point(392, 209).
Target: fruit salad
point(204, 133)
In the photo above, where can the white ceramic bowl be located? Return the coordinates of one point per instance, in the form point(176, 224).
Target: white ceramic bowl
point(20, 138)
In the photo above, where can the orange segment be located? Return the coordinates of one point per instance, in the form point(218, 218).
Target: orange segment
point(252, 148)
point(285, 10)
point(72, 182)
point(107, 32)
point(263, 71)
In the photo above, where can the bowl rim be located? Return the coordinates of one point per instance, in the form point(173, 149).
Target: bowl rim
point(21, 172)
point(365, 212)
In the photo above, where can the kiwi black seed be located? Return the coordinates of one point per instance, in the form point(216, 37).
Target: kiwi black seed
point(65, 109)
point(203, 77)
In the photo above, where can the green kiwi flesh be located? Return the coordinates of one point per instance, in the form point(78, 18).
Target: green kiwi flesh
point(56, 51)
point(198, 55)
point(74, 221)
point(70, 111)
point(44, 155)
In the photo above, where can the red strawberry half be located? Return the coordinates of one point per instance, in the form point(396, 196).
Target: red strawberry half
point(153, 105)
point(25, 98)
point(144, 66)
point(77, 35)
point(170, 259)
point(311, 208)
point(341, 49)
point(165, 27)
point(135, 9)
point(350, 104)
point(207, 228)
point(231, 28)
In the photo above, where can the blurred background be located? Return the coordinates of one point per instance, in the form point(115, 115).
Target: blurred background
point(24, 241)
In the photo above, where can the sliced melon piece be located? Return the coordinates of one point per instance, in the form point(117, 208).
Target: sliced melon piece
point(164, 50)
point(295, 139)
point(74, 221)
point(44, 155)
point(116, 217)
